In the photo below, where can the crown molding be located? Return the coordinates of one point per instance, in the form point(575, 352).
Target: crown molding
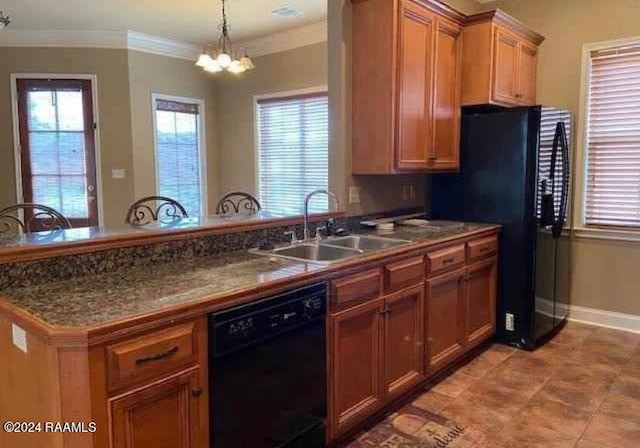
point(67, 39)
point(161, 46)
point(313, 33)
point(147, 43)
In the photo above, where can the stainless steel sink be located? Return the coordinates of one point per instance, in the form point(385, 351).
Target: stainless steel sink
point(364, 243)
point(332, 249)
point(315, 252)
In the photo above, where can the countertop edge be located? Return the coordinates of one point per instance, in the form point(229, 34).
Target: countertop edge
point(79, 336)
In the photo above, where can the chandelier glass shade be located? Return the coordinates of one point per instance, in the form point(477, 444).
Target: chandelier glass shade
point(224, 58)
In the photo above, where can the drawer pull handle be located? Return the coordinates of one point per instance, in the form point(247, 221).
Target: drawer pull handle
point(483, 249)
point(157, 357)
point(448, 261)
point(196, 392)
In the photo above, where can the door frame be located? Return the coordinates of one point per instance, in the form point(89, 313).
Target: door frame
point(16, 131)
point(202, 142)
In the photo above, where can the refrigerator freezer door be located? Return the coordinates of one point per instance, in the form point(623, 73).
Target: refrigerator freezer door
point(545, 283)
point(496, 184)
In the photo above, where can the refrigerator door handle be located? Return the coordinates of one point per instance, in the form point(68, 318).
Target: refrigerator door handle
point(560, 141)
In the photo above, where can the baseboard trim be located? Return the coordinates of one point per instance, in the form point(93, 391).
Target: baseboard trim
point(602, 318)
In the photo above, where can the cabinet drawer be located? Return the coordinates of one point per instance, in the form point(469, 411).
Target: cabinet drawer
point(482, 248)
point(355, 289)
point(403, 274)
point(445, 259)
point(151, 355)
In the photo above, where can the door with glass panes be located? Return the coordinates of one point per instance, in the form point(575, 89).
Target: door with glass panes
point(57, 147)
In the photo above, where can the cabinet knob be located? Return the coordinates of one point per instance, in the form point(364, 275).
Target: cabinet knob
point(518, 95)
point(196, 392)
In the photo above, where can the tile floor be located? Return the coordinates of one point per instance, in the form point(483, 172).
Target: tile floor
point(582, 390)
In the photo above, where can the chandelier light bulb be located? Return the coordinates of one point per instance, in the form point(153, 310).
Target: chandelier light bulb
point(247, 63)
point(212, 66)
point(204, 60)
point(236, 67)
point(224, 60)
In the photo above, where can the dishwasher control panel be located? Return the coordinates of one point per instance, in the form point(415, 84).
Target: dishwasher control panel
point(245, 325)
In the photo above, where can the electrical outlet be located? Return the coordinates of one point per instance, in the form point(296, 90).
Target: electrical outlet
point(354, 195)
point(19, 337)
point(510, 322)
point(118, 173)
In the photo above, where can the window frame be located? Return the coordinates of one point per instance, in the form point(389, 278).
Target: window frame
point(17, 153)
point(582, 153)
point(204, 206)
point(256, 127)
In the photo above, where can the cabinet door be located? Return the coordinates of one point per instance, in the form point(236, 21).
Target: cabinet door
point(404, 335)
point(505, 83)
point(355, 357)
point(481, 300)
point(415, 76)
point(168, 414)
point(527, 66)
point(445, 321)
point(446, 147)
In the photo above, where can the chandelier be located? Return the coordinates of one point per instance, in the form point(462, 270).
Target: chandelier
point(4, 20)
point(224, 58)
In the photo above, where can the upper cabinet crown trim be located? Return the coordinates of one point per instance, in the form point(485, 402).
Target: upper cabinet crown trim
point(502, 18)
point(444, 10)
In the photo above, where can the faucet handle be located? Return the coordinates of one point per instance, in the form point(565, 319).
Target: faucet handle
point(318, 234)
point(294, 236)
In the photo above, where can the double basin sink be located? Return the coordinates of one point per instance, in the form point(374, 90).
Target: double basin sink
point(334, 248)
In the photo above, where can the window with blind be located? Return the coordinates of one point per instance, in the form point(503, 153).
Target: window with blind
point(179, 167)
point(293, 152)
point(613, 139)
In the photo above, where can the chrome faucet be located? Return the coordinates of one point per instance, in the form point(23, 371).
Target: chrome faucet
point(306, 208)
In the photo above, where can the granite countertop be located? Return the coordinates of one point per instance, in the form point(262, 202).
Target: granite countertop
point(103, 299)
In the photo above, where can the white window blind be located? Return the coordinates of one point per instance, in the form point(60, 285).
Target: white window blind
point(178, 156)
point(613, 139)
point(293, 152)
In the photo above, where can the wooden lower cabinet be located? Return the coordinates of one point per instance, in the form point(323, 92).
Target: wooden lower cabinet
point(355, 363)
point(403, 338)
point(168, 414)
point(445, 318)
point(376, 354)
point(480, 300)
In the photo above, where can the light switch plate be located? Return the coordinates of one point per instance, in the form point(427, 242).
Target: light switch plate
point(19, 337)
point(118, 173)
point(354, 195)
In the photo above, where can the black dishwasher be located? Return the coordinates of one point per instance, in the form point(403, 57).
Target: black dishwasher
point(267, 372)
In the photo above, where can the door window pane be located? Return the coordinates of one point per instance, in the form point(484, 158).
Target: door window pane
point(178, 154)
point(56, 148)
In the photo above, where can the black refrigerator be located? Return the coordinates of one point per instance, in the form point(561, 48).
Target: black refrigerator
point(515, 171)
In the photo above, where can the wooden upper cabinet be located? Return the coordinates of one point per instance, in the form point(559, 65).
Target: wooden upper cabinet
point(527, 78)
point(499, 61)
point(415, 78)
point(404, 336)
point(406, 86)
point(168, 414)
point(448, 88)
point(355, 357)
point(505, 83)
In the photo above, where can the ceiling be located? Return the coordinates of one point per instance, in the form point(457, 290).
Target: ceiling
point(194, 21)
